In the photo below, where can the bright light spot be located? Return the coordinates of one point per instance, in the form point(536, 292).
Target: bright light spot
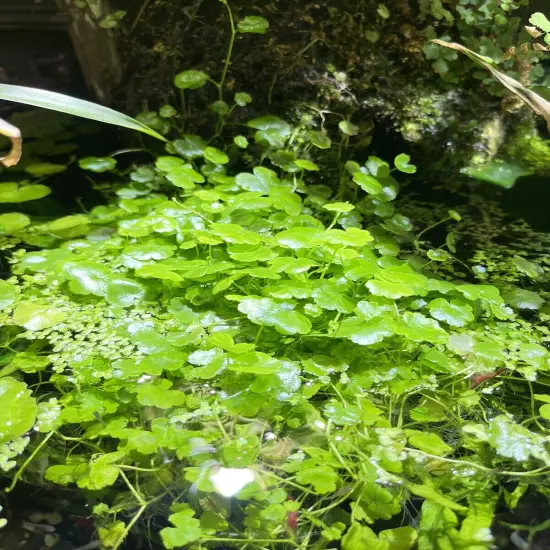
point(320, 425)
point(144, 378)
point(229, 481)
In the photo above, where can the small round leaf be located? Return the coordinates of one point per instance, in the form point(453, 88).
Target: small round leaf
point(191, 80)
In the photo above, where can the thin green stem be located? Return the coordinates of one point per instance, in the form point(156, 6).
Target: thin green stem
point(19, 472)
point(229, 52)
point(128, 528)
point(132, 489)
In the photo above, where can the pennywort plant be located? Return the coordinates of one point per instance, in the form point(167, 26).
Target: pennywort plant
point(248, 346)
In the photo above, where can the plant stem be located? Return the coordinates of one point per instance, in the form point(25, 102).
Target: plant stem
point(19, 473)
point(229, 52)
point(128, 528)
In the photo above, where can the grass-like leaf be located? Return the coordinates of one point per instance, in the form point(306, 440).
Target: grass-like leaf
point(73, 106)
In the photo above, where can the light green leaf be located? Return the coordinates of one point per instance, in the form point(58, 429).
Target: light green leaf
point(7, 295)
point(368, 183)
point(13, 222)
point(372, 36)
point(399, 538)
point(111, 535)
point(389, 289)
point(365, 333)
point(190, 80)
point(514, 441)
point(123, 292)
point(157, 393)
point(41, 169)
point(322, 478)
point(68, 222)
point(186, 528)
point(523, 299)
point(402, 164)
point(235, 234)
point(328, 297)
point(502, 174)
point(419, 328)
point(97, 164)
point(72, 106)
point(320, 140)
point(87, 277)
point(531, 269)
point(35, 316)
point(253, 24)
point(433, 495)
point(361, 537)
point(158, 271)
point(13, 192)
point(280, 315)
point(348, 128)
point(428, 442)
point(455, 313)
point(306, 165)
point(111, 20)
point(216, 156)
point(340, 207)
point(438, 255)
point(342, 415)
point(299, 237)
point(544, 411)
point(487, 293)
point(242, 99)
point(189, 146)
point(18, 409)
point(539, 20)
point(240, 141)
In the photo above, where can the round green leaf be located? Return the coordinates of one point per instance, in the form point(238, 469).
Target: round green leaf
point(280, 315)
point(7, 295)
point(368, 183)
point(215, 155)
point(340, 207)
point(68, 222)
point(402, 164)
point(240, 141)
point(253, 24)
point(438, 255)
point(13, 222)
point(35, 316)
point(502, 174)
point(12, 192)
point(97, 164)
point(372, 36)
point(219, 107)
point(348, 128)
point(320, 140)
point(87, 277)
point(242, 99)
point(189, 146)
point(40, 169)
point(306, 165)
point(191, 80)
point(18, 409)
point(454, 313)
point(124, 292)
point(544, 411)
point(167, 111)
point(523, 299)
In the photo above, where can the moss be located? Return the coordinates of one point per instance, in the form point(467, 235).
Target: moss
point(529, 148)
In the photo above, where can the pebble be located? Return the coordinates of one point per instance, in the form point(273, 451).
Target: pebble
point(53, 518)
point(51, 540)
